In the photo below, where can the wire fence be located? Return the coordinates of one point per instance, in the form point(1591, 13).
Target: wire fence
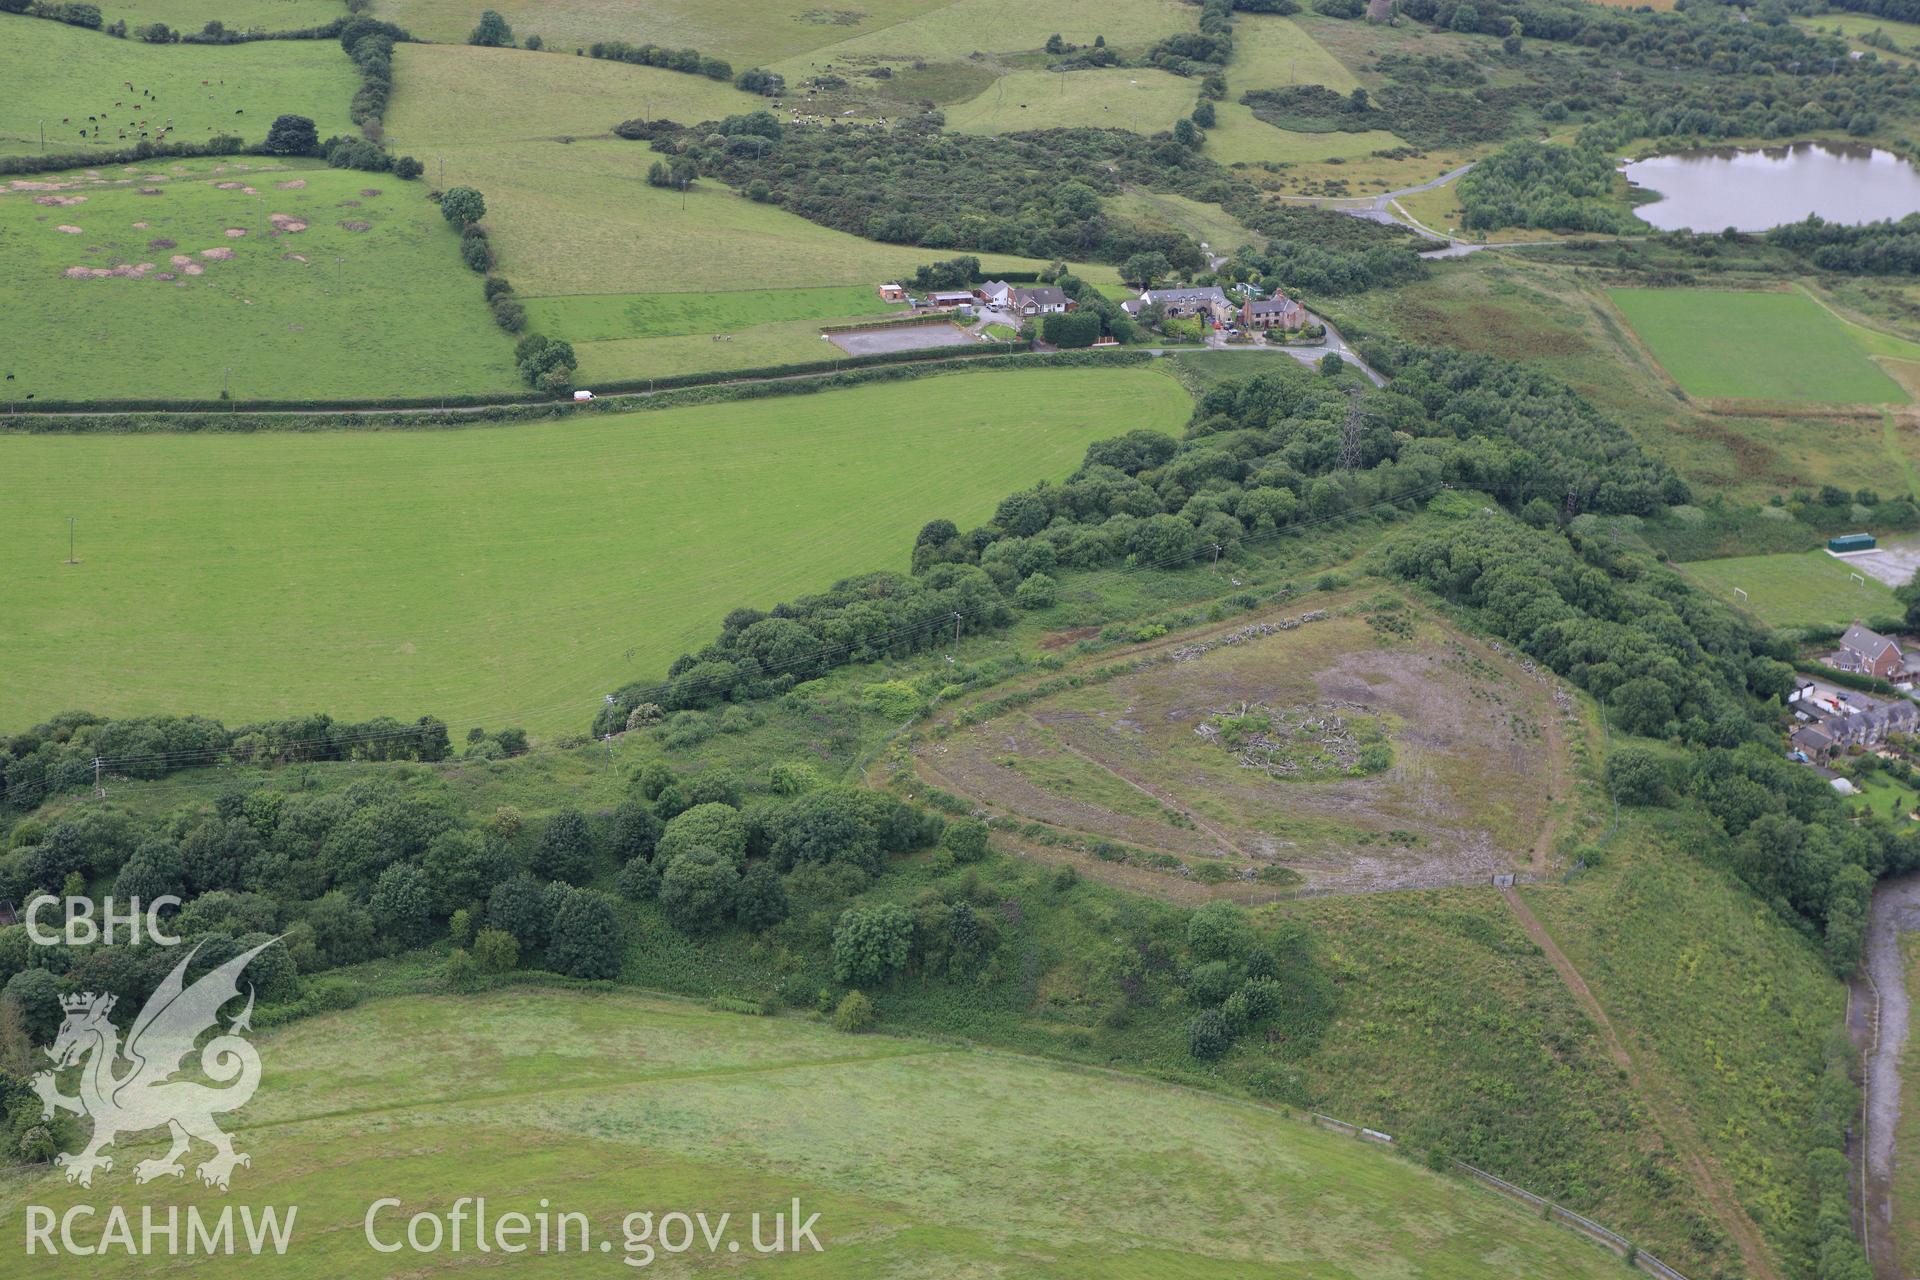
point(1586, 1226)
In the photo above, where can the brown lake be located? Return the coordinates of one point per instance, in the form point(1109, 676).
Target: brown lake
point(1753, 190)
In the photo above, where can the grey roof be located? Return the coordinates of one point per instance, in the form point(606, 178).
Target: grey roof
point(1045, 295)
point(1869, 644)
point(1272, 306)
point(1211, 293)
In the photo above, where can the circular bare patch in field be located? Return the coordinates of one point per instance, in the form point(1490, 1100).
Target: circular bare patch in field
point(234, 233)
point(25, 184)
point(192, 269)
point(72, 231)
point(217, 255)
point(292, 184)
point(287, 222)
point(139, 226)
point(59, 202)
point(81, 273)
point(230, 186)
point(162, 244)
point(370, 192)
point(163, 275)
point(180, 260)
point(355, 224)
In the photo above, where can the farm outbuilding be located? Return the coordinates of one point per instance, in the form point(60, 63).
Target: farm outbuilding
point(1851, 542)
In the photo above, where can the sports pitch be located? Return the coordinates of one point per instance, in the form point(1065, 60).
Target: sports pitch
point(1730, 345)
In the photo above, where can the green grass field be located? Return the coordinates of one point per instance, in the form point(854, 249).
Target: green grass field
point(1271, 52)
point(238, 15)
point(59, 75)
point(493, 574)
point(586, 318)
point(954, 31)
point(745, 32)
point(1809, 588)
point(1141, 99)
point(1718, 996)
point(579, 218)
point(1721, 344)
point(462, 95)
point(323, 311)
point(1206, 222)
point(754, 347)
point(613, 1104)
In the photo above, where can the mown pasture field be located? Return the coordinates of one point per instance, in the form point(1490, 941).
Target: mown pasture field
point(1734, 345)
point(1002, 29)
point(578, 217)
point(497, 574)
point(272, 279)
point(599, 318)
point(1808, 588)
point(1209, 223)
point(613, 1104)
point(59, 75)
point(1140, 99)
point(745, 32)
point(237, 15)
point(1271, 52)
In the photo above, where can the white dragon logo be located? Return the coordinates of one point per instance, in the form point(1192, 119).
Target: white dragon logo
point(146, 1096)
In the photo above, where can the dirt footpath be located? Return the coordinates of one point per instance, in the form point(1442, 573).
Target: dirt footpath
point(1878, 1013)
point(1671, 1118)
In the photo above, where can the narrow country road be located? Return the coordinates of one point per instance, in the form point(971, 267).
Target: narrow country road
point(1879, 1011)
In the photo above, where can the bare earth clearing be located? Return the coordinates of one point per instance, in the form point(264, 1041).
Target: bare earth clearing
point(1140, 760)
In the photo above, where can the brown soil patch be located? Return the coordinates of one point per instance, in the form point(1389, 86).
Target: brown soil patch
point(180, 259)
point(369, 192)
point(292, 184)
point(193, 269)
point(151, 191)
point(163, 275)
point(230, 186)
point(1138, 759)
point(59, 202)
point(355, 224)
point(234, 233)
point(65, 229)
point(162, 244)
point(293, 257)
point(217, 255)
point(1061, 639)
point(139, 226)
point(287, 223)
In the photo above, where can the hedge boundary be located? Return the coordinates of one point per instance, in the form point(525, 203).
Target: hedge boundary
point(628, 386)
point(895, 322)
point(540, 408)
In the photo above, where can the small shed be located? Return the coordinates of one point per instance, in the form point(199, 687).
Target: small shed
point(1851, 542)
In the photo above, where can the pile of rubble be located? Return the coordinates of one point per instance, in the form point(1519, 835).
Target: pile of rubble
point(1200, 648)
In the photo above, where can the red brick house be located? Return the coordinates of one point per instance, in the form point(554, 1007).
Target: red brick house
point(1869, 653)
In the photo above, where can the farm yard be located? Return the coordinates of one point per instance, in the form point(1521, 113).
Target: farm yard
point(422, 1100)
point(1724, 345)
point(468, 573)
point(1359, 747)
point(61, 76)
point(899, 337)
point(321, 283)
point(1809, 588)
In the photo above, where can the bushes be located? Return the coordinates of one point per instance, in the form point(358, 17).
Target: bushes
point(1069, 329)
point(871, 944)
point(545, 363)
point(690, 61)
point(492, 31)
point(292, 135)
